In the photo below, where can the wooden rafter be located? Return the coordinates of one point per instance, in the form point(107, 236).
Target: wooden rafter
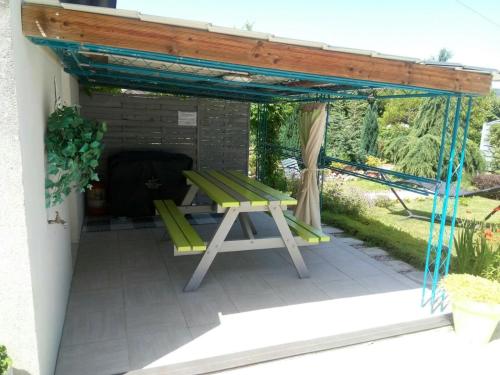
point(115, 31)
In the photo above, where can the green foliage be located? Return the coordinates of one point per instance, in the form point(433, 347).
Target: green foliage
point(338, 198)
point(373, 161)
point(375, 233)
point(369, 134)
point(344, 129)
point(5, 361)
point(495, 146)
point(269, 127)
point(417, 151)
point(474, 253)
point(464, 286)
point(73, 147)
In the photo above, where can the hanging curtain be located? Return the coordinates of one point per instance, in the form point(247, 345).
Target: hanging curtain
point(312, 119)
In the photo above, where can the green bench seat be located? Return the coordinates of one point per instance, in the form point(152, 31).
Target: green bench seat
point(183, 235)
point(305, 231)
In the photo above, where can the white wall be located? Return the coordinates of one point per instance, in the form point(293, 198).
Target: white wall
point(36, 257)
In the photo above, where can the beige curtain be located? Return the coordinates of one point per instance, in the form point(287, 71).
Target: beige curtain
point(312, 120)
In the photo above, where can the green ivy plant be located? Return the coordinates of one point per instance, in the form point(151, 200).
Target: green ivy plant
point(73, 145)
point(5, 361)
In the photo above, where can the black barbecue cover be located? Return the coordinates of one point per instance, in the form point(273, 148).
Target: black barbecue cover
point(136, 178)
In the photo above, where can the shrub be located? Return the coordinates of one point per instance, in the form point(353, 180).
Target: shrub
point(472, 287)
point(487, 181)
point(341, 200)
point(384, 202)
point(5, 361)
point(373, 161)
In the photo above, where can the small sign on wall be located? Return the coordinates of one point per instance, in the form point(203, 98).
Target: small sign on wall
point(186, 118)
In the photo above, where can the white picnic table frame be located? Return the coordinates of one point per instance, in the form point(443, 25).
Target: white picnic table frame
point(218, 243)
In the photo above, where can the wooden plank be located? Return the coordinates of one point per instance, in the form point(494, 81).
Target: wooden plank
point(302, 232)
point(213, 192)
point(197, 244)
point(321, 236)
point(178, 238)
point(269, 197)
point(282, 197)
point(109, 30)
point(255, 200)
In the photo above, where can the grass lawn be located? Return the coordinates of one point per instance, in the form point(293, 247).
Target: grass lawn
point(366, 185)
point(406, 238)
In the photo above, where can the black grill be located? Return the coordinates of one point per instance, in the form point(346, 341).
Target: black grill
point(136, 178)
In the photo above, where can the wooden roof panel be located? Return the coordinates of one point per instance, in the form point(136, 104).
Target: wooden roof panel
point(124, 32)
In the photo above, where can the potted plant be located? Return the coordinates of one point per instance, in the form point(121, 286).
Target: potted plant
point(74, 146)
point(475, 303)
point(5, 362)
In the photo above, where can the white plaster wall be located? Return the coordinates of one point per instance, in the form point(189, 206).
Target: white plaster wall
point(36, 257)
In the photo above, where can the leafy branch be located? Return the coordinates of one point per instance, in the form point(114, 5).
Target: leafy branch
point(74, 146)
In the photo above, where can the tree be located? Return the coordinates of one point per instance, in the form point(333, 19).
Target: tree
point(344, 129)
point(495, 146)
point(369, 134)
point(443, 55)
point(417, 151)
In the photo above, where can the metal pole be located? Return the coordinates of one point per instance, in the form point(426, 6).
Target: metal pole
point(457, 188)
point(444, 210)
point(436, 196)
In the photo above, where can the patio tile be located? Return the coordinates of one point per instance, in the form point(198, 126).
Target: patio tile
point(143, 275)
point(204, 308)
point(200, 330)
point(373, 251)
point(342, 288)
point(350, 240)
point(381, 284)
point(82, 326)
point(304, 292)
point(326, 272)
point(98, 358)
point(143, 234)
point(149, 293)
point(242, 282)
point(101, 237)
point(97, 276)
point(249, 302)
point(151, 346)
point(95, 300)
point(146, 317)
point(398, 265)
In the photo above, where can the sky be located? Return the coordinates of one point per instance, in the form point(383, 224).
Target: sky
point(417, 28)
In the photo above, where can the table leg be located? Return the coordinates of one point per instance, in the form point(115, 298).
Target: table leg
point(212, 249)
point(289, 241)
point(189, 197)
point(247, 225)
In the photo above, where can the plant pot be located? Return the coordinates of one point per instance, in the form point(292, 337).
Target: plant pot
point(475, 321)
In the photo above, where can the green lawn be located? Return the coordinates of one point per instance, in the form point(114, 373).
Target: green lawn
point(406, 238)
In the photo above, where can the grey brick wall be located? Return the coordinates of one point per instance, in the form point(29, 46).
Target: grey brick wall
point(149, 122)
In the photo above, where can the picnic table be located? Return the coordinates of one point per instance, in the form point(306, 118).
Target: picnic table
point(234, 195)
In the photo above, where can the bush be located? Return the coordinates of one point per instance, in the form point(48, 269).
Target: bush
point(384, 202)
point(5, 361)
point(487, 181)
point(341, 200)
point(373, 161)
point(472, 287)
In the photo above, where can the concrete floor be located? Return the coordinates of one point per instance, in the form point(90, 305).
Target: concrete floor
point(127, 310)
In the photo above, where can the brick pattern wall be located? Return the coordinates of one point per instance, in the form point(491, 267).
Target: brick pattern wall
point(149, 122)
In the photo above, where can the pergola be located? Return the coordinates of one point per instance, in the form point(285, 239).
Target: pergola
point(125, 49)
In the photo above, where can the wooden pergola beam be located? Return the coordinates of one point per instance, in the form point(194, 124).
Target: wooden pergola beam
point(115, 31)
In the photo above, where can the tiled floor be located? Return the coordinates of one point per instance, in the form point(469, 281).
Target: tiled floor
point(127, 308)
